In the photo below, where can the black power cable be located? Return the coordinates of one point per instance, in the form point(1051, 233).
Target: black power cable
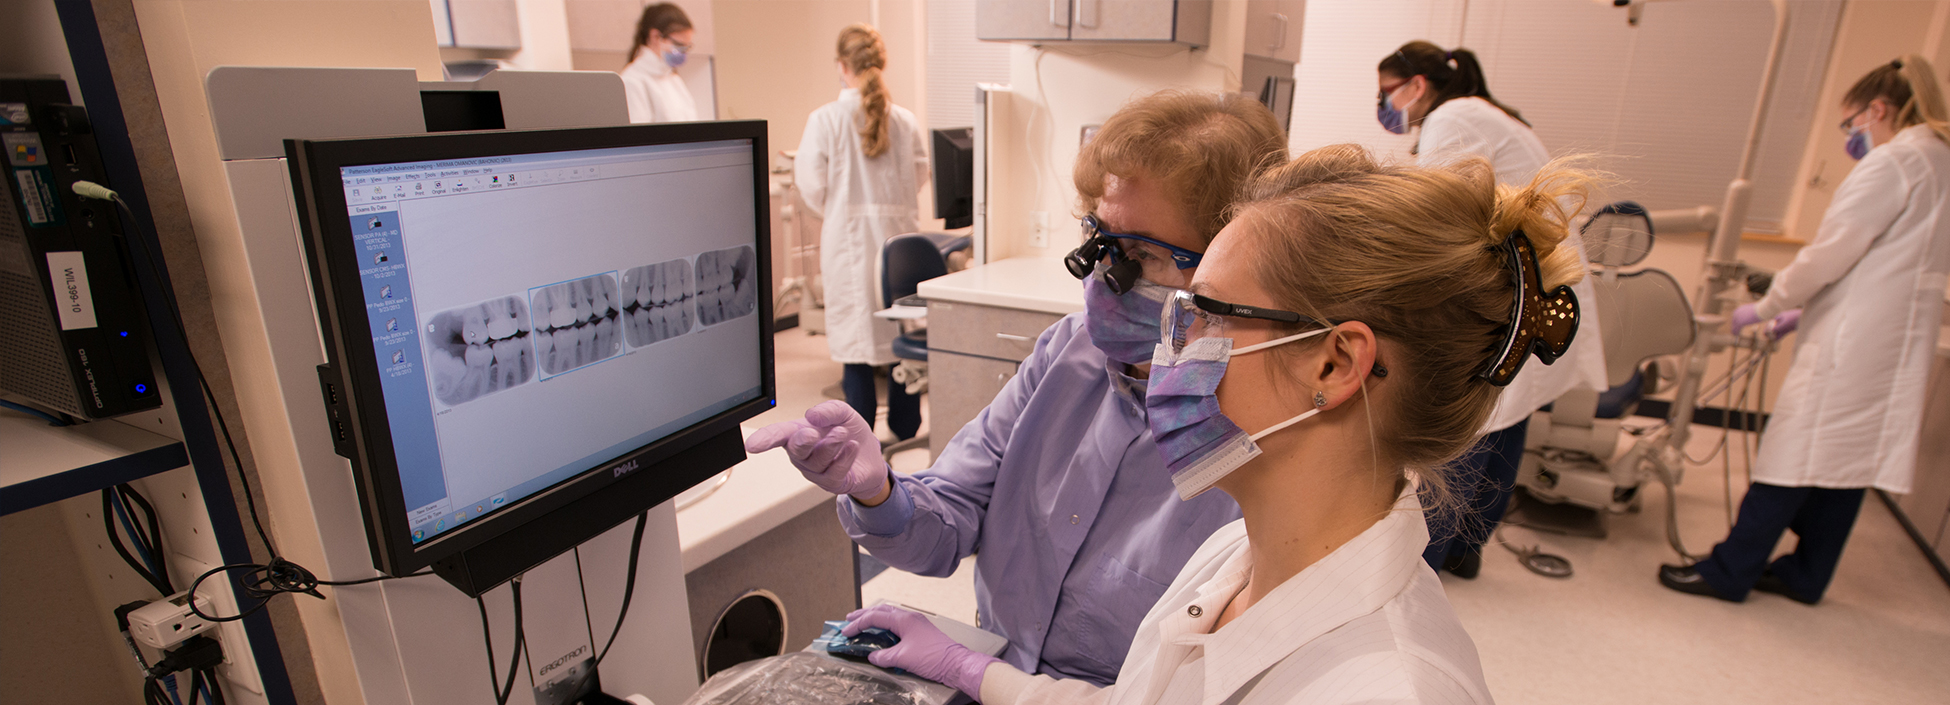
point(521, 643)
point(265, 580)
point(145, 532)
point(629, 588)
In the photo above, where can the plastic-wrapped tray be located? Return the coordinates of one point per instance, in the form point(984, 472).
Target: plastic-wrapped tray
point(809, 678)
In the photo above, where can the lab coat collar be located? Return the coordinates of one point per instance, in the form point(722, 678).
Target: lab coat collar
point(1913, 133)
point(648, 63)
point(1355, 580)
point(849, 94)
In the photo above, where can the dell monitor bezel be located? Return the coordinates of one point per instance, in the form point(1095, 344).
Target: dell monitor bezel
point(485, 552)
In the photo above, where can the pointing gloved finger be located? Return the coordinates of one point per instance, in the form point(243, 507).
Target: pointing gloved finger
point(800, 444)
point(772, 436)
point(830, 413)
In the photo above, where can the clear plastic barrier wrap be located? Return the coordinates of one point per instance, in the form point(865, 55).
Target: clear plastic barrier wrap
point(807, 678)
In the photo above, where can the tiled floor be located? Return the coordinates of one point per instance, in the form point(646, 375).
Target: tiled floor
point(1610, 633)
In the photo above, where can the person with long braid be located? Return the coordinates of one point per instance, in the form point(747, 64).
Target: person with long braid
point(861, 165)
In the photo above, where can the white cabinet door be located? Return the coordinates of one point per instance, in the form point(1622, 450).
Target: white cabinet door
point(1273, 28)
point(1022, 19)
point(1123, 20)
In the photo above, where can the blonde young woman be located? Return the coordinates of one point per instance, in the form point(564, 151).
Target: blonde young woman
point(861, 165)
point(1872, 283)
point(1345, 337)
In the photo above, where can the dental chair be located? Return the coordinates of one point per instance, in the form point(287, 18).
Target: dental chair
point(905, 262)
point(1569, 451)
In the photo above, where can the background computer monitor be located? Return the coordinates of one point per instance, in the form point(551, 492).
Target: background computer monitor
point(954, 176)
point(533, 336)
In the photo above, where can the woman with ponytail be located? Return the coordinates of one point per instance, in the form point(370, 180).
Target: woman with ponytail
point(651, 86)
point(1444, 93)
point(1871, 285)
point(861, 165)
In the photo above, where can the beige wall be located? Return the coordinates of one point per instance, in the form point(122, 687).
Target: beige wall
point(1870, 34)
point(184, 40)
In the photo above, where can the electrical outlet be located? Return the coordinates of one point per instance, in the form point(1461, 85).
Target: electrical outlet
point(1039, 229)
point(168, 621)
point(239, 662)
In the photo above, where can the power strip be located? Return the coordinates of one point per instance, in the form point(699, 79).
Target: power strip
point(168, 621)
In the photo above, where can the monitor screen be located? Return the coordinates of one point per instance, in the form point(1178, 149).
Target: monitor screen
point(529, 315)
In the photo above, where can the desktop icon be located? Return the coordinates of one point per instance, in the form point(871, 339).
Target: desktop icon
point(386, 292)
point(380, 258)
point(373, 224)
point(392, 325)
point(478, 509)
point(439, 525)
point(399, 357)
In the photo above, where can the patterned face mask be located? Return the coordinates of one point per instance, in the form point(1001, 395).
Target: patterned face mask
point(1124, 326)
point(1199, 444)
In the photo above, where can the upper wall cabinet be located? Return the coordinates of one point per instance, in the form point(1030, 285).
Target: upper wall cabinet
point(1274, 28)
point(1180, 21)
point(476, 24)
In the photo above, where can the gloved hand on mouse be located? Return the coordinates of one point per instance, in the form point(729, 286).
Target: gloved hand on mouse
point(923, 649)
point(832, 446)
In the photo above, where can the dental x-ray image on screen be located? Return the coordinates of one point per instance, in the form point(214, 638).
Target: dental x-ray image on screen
point(519, 325)
point(726, 287)
point(576, 323)
point(473, 351)
point(657, 302)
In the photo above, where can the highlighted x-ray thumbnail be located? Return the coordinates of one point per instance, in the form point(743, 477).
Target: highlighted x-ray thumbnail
point(576, 323)
point(657, 302)
point(476, 350)
point(727, 284)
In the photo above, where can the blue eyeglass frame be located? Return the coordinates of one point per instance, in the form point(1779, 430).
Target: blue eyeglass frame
point(1185, 259)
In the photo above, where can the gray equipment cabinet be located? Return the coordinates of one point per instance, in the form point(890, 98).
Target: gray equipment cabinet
point(1176, 21)
point(973, 351)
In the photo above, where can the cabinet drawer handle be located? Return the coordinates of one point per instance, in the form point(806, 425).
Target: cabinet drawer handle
point(1014, 337)
point(1279, 37)
point(1001, 377)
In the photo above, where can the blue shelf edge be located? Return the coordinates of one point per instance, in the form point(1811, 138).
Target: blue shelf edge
point(90, 478)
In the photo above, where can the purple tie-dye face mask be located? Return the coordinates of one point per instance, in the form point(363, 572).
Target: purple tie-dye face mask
point(1124, 326)
point(1199, 444)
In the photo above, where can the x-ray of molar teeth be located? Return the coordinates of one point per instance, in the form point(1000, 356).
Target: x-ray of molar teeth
point(727, 284)
point(576, 323)
point(657, 302)
point(476, 350)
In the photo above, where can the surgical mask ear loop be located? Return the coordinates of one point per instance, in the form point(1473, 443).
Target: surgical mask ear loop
point(1256, 347)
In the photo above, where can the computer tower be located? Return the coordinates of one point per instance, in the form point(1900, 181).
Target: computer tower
point(73, 336)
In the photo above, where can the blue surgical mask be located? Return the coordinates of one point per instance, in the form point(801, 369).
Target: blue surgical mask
point(1858, 144)
point(1124, 326)
point(1392, 118)
point(1199, 444)
point(674, 57)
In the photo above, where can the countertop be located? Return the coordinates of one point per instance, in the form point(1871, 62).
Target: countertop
point(763, 492)
point(1027, 283)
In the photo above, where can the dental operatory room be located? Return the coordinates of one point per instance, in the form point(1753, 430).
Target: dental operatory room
point(1016, 352)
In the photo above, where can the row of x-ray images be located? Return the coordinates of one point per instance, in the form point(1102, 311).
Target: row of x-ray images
point(482, 348)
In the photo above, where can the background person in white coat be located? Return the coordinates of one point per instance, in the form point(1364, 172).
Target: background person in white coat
point(1872, 282)
point(861, 166)
point(651, 86)
point(1444, 93)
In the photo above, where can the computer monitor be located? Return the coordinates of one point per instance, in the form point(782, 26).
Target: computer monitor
point(534, 335)
point(954, 176)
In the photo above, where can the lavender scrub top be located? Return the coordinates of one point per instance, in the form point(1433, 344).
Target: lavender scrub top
point(1058, 490)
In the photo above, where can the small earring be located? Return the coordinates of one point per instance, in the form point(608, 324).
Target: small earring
point(1320, 399)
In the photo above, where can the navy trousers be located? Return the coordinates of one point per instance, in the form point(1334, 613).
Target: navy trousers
point(1483, 479)
point(1821, 519)
point(903, 409)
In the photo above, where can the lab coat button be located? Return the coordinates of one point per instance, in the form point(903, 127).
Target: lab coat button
point(1073, 518)
point(1194, 610)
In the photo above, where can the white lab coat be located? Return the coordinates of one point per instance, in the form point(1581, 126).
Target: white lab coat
point(1472, 127)
point(655, 92)
point(1369, 623)
point(863, 202)
point(1871, 285)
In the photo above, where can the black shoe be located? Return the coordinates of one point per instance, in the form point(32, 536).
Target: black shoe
point(1769, 582)
point(1687, 579)
point(1467, 565)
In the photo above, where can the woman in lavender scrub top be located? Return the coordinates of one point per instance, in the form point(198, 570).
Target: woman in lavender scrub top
point(1057, 487)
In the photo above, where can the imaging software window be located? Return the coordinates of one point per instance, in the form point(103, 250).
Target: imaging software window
point(535, 315)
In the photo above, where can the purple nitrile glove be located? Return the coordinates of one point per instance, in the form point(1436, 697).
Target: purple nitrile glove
point(924, 651)
point(833, 447)
point(1784, 324)
point(1745, 315)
